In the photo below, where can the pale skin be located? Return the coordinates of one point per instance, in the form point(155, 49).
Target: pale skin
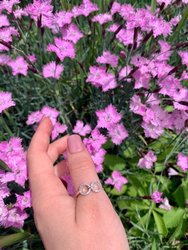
point(65, 222)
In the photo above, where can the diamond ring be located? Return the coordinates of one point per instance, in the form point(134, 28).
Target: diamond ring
point(85, 189)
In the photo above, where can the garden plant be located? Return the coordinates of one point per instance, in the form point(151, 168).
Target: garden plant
point(116, 73)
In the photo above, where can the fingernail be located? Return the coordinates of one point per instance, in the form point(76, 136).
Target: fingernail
point(75, 144)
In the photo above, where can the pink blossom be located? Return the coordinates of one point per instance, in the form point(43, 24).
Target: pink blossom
point(8, 5)
point(172, 172)
point(62, 48)
point(71, 33)
point(108, 58)
point(62, 18)
point(50, 112)
point(85, 8)
point(165, 204)
point(166, 2)
point(96, 140)
point(136, 106)
point(100, 78)
point(19, 66)
point(126, 37)
point(182, 162)
point(116, 8)
point(39, 8)
point(4, 59)
point(141, 80)
point(80, 129)
point(124, 72)
point(32, 58)
point(117, 180)
point(4, 21)
point(184, 57)
point(148, 160)
point(108, 117)
point(34, 117)
point(23, 201)
point(102, 18)
point(52, 70)
point(6, 101)
point(118, 133)
point(19, 12)
point(58, 129)
point(15, 218)
point(157, 197)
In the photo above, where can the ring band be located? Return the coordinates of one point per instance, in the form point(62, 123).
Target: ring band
point(85, 189)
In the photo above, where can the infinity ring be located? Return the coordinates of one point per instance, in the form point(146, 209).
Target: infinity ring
point(85, 189)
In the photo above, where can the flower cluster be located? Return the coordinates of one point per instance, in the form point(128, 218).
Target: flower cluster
point(13, 155)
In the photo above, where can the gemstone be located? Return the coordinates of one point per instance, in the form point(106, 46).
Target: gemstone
point(84, 189)
point(96, 186)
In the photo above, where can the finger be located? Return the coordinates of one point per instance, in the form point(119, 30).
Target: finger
point(57, 148)
point(43, 181)
point(61, 169)
point(80, 164)
point(82, 170)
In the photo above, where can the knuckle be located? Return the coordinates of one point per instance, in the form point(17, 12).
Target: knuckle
point(81, 163)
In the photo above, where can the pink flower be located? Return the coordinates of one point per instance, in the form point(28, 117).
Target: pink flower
point(23, 201)
point(117, 180)
point(71, 33)
point(141, 80)
point(102, 18)
point(172, 172)
point(80, 129)
point(15, 218)
point(58, 129)
point(4, 21)
point(116, 8)
point(34, 117)
point(18, 66)
point(108, 58)
point(62, 18)
point(8, 5)
point(6, 101)
point(39, 8)
point(100, 78)
point(19, 12)
point(108, 117)
point(62, 48)
point(184, 57)
point(148, 160)
point(50, 112)
point(124, 72)
point(85, 8)
point(157, 197)
point(182, 162)
point(166, 2)
point(52, 70)
point(165, 204)
point(136, 105)
point(118, 133)
point(4, 59)
point(32, 58)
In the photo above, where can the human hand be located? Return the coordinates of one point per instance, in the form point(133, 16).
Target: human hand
point(65, 222)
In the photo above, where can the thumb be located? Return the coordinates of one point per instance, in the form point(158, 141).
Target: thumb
point(80, 163)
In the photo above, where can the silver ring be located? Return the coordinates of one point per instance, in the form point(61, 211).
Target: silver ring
point(85, 189)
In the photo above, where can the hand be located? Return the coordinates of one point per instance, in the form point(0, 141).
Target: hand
point(65, 222)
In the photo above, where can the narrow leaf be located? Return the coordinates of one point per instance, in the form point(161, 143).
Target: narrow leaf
point(153, 5)
point(11, 239)
point(161, 228)
point(4, 166)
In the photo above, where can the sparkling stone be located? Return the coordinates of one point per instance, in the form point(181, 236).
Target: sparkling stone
point(85, 189)
point(96, 186)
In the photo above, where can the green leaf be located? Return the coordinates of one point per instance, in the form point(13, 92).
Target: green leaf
point(127, 203)
point(154, 245)
point(129, 152)
point(173, 217)
point(169, 108)
point(153, 5)
point(161, 228)
point(4, 166)
point(179, 231)
point(180, 25)
point(138, 185)
point(179, 196)
point(11, 239)
point(114, 162)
